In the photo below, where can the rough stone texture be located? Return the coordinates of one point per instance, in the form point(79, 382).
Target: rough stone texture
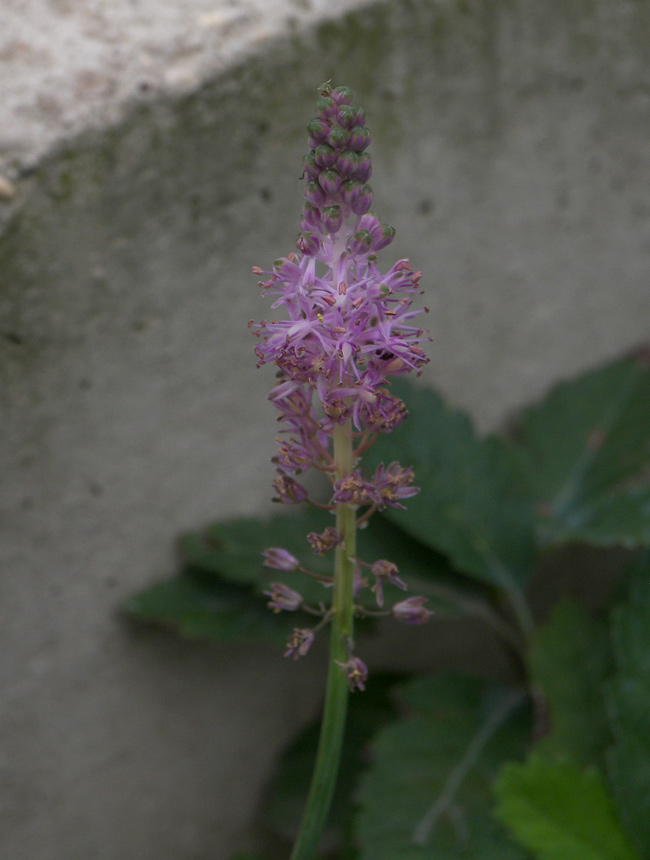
point(69, 64)
point(512, 153)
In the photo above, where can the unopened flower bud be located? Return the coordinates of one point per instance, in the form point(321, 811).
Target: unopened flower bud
point(359, 138)
point(314, 193)
point(412, 611)
point(332, 218)
point(325, 156)
point(338, 136)
point(382, 236)
point(347, 116)
point(280, 559)
point(310, 168)
point(350, 191)
point(364, 201)
point(310, 216)
point(308, 244)
point(360, 243)
point(326, 107)
point(330, 181)
point(317, 130)
point(342, 95)
point(347, 163)
point(359, 116)
point(364, 167)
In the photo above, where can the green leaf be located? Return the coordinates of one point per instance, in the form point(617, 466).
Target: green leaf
point(232, 550)
point(220, 592)
point(440, 758)
point(569, 660)
point(366, 714)
point(474, 505)
point(198, 609)
point(621, 517)
point(423, 570)
point(628, 700)
point(588, 450)
point(560, 811)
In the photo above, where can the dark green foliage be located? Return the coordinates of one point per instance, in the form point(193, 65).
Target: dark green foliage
point(233, 549)
point(628, 705)
point(474, 505)
point(570, 754)
point(588, 451)
point(569, 660)
point(197, 609)
point(414, 764)
point(219, 593)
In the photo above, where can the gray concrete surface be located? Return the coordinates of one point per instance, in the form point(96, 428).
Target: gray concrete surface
point(512, 154)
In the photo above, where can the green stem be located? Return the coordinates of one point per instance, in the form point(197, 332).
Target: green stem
point(330, 743)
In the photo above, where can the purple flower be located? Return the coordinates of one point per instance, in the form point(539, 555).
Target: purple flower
point(289, 492)
point(283, 598)
point(357, 673)
point(379, 411)
point(299, 643)
point(385, 571)
point(340, 328)
point(412, 611)
point(345, 332)
point(325, 541)
point(353, 490)
point(394, 484)
point(280, 559)
point(360, 581)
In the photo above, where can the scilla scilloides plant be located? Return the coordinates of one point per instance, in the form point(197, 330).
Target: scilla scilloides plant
point(343, 330)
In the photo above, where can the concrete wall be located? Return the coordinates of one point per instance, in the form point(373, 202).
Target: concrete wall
point(511, 152)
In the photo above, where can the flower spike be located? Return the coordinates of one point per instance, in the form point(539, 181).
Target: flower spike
point(341, 330)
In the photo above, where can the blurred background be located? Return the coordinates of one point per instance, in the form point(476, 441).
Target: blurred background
point(150, 156)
